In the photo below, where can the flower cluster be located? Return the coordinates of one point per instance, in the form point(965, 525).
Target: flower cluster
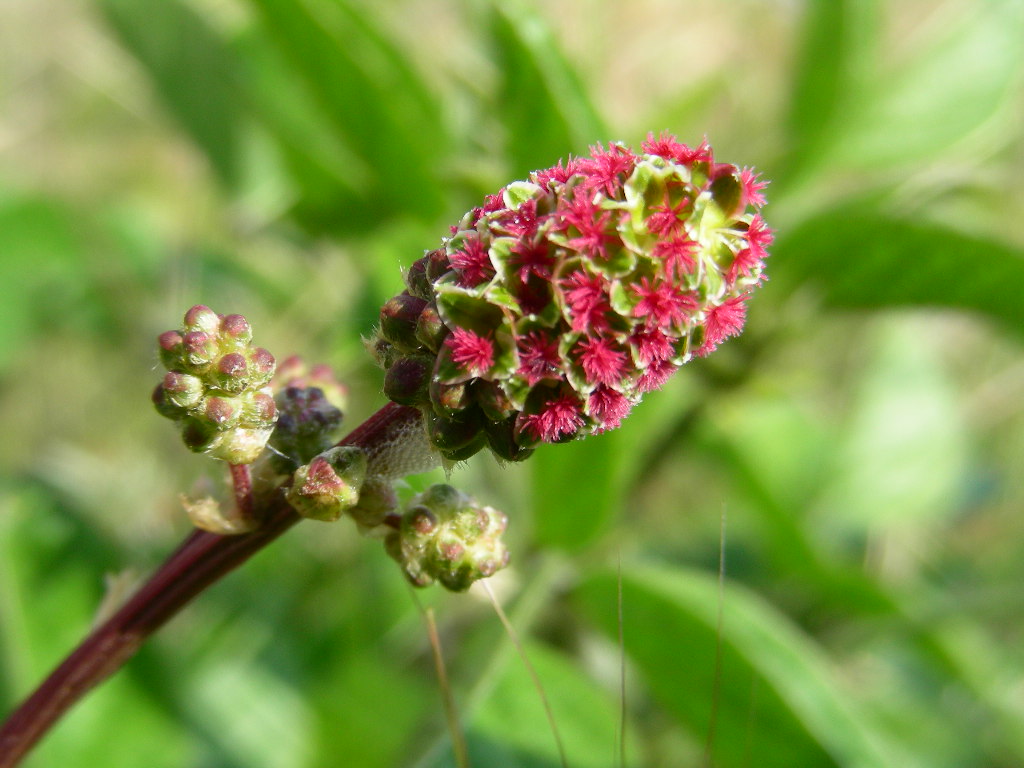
point(309, 404)
point(444, 535)
point(217, 386)
point(552, 308)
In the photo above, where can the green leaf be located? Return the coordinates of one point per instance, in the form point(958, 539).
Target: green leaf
point(954, 86)
point(586, 716)
point(836, 38)
point(374, 100)
point(330, 182)
point(777, 695)
point(192, 69)
point(865, 258)
point(576, 490)
point(541, 101)
point(902, 459)
point(41, 268)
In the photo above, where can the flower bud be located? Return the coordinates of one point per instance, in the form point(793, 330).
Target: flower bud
point(407, 380)
point(307, 425)
point(329, 485)
point(202, 318)
point(398, 318)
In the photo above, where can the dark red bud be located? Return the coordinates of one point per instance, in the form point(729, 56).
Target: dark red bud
point(177, 382)
point(406, 381)
point(430, 329)
point(451, 551)
point(452, 434)
point(502, 440)
point(398, 320)
point(472, 448)
point(321, 479)
point(727, 191)
point(262, 407)
point(437, 264)
point(197, 342)
point(417, 280)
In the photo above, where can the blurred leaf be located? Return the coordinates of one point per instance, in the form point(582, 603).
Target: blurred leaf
point(576, 488)
point(369, 708)
point(866, 258)
point(194, 73)
point(903, 457)
point(541, 100)
point(778, 697)
point(954, 86)
point(377, 104)
point(836, 38)
point(586, 716)
point(330, 181)
point(50, 582)
point(41, 252)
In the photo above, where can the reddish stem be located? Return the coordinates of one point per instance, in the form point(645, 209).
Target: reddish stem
point(201, 560)
point(241, 482)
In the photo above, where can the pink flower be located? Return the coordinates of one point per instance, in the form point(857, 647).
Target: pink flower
point(759, 235)
point(668, 147)
point(745, 263)
point(723, 321)
point(608, 407)
point(473, 263)
point(663, 303)
point(558, 417)
point(665, 220)
point(752, 187)
point(608, 272)
point(538, 358)
point(606, 169)
point(677, 255)
point(602, 363)
point(652, 345)
point(558, 173)
point(474, 354)
point(521, 222)
point(528, 256)
point(655, 375)
point(587, 299)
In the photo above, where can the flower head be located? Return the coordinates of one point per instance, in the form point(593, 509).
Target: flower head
point(556, 304)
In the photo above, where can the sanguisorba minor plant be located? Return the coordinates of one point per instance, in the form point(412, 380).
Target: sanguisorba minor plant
point(545, 316)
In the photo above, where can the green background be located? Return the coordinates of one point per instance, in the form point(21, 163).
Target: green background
point(854, 460)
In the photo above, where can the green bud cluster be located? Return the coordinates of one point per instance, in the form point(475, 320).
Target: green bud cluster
point(217, 386)
point(329, 485)
point(445, 536)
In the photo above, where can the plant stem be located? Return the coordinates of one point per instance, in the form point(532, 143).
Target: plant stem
point(201, 560)
point(241, 483)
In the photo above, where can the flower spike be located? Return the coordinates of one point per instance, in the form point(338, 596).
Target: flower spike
point(552, 308)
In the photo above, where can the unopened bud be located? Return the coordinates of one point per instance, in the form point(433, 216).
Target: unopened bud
point(329, 485)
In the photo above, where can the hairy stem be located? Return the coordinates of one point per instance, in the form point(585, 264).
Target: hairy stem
point(201, 560)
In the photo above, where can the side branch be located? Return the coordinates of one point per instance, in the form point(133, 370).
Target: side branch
point(201, 560)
